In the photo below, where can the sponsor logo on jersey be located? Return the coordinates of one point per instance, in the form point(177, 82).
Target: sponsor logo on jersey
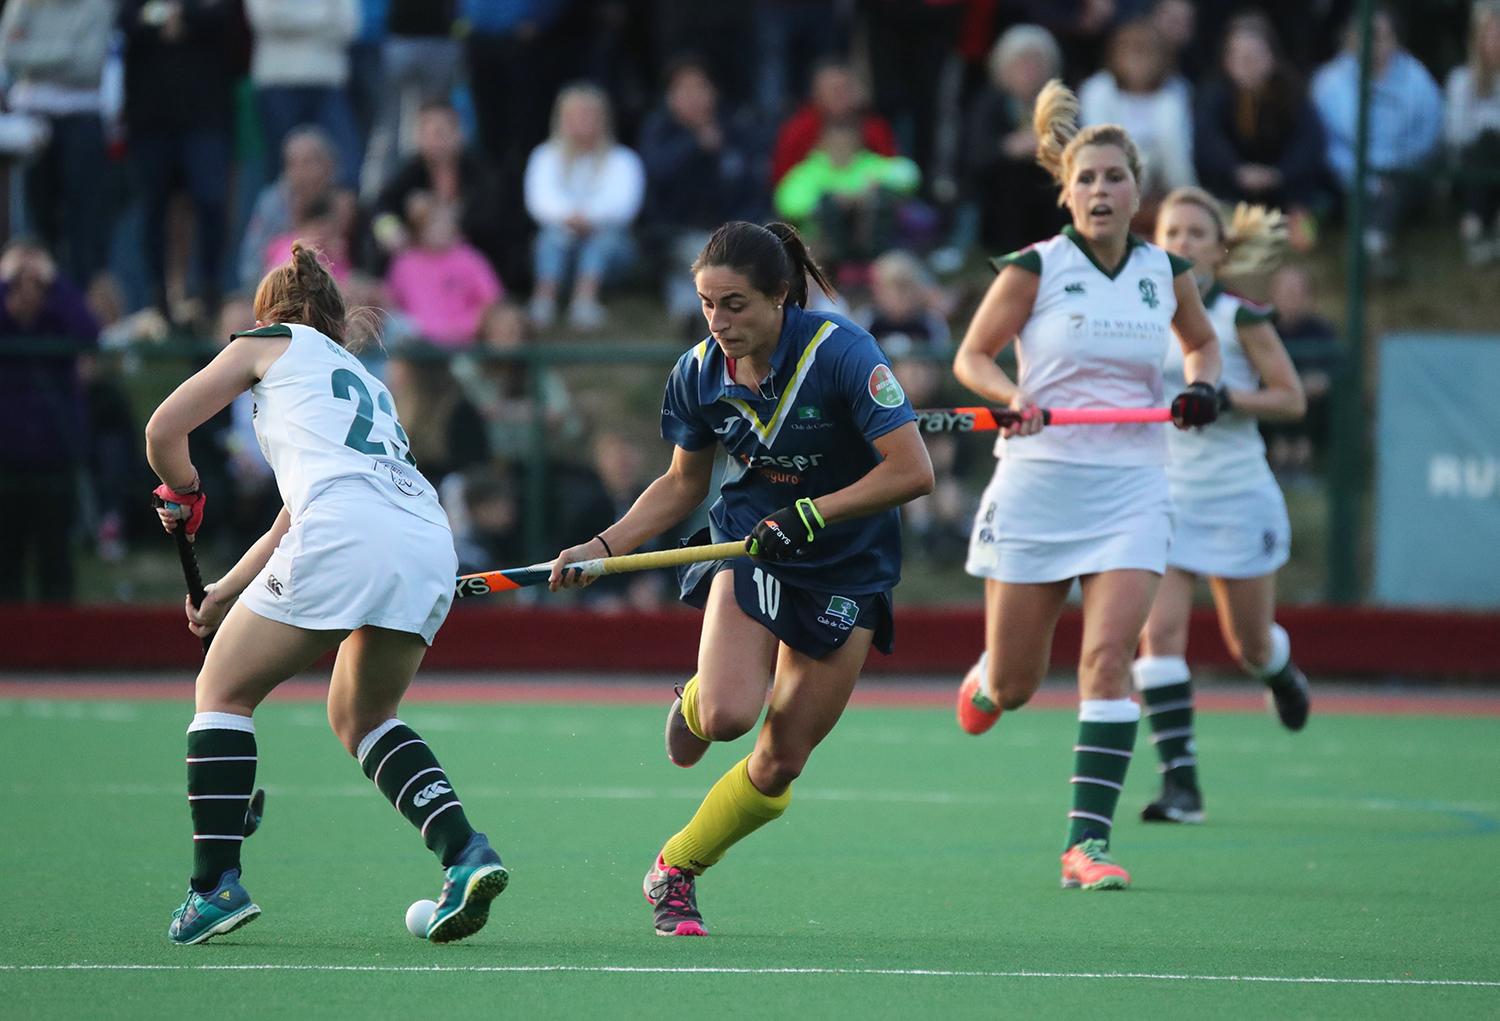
point(797, 462)
point(844, 608)
point(431, 793)
point(808, 413)
point(1076, 288)
point(1148, 292)
point(274, 584)
point(884, 390)
point(400, 477)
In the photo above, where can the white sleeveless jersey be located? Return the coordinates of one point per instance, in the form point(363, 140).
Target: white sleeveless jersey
point(1229, 456)
point(321, 416)
point(1095, 340)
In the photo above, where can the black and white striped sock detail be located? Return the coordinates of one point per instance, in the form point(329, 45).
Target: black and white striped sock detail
point(1165, 684)
point(1101, 758)
point(400, 764)
point(221, 761)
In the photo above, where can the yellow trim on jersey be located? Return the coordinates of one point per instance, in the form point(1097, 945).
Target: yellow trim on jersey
point(767, 431)
point(701, 351)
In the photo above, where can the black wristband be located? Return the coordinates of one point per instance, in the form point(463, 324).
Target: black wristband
point(607, 551)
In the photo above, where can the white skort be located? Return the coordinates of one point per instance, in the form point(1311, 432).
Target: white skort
point(1045, 521)
point(353, 558)
point(1239, 535)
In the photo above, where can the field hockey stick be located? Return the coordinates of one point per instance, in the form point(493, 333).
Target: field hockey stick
point(255, 811)
point(976, 420)
point(188, 557)
point(485, 582)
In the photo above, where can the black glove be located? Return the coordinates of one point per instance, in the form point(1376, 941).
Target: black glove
point(786, 535)
point(1198, 405)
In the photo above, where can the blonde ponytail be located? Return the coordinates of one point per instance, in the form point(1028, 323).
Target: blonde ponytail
point(1055, 121)
point(1058, 137)
point(1256, 240)
point(1254, 237)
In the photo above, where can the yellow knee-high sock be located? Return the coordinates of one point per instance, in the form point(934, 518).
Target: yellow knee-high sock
point(690, 706)
point(733, 810)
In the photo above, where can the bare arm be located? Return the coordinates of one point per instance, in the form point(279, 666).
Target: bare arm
point(243, 573)
point(204, 619)
point(1004, 310)
point(1280, 398)
point(1202, 362)
point(668, 500)
point(904, 473)
point(1002, 313)
point(202, 396)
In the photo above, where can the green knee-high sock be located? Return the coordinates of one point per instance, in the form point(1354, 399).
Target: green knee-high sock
point(1166, 686)
point(221, 762)
point(399, 762)
point(1106, 738)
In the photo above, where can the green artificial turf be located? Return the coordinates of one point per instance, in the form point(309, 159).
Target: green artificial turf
point(1363, 849)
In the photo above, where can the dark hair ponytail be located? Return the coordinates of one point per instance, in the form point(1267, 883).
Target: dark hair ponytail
point(770, 257)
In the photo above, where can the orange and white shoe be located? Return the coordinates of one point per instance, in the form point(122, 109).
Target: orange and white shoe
point(1087, 866)
point(977, 712)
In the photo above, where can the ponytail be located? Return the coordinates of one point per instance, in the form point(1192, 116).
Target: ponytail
point(1254, 237)
point(1257, 240)
point(1055, 122)
point(301, 290)
point(770, 257)
point(1058, 137)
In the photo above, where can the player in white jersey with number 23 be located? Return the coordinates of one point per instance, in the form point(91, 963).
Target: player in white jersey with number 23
point(360, 559)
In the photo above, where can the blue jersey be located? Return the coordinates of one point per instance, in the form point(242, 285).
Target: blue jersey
point(808, 430)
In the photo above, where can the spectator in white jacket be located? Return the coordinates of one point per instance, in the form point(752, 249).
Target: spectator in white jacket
point(1140, 90)
point(583, 190)
point(1471, 110)
point(300, 70)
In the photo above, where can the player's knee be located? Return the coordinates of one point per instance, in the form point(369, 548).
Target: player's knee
point(1107, 665)
point(1164, 639)
point(725, 723)
point(350, 725)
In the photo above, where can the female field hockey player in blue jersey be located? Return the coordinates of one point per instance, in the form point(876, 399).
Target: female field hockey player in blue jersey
point(823, 447)
point(1230, 522)
point(1092, 312)
point(360, 559)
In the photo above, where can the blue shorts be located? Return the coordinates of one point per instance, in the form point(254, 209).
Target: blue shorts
point(812, 622)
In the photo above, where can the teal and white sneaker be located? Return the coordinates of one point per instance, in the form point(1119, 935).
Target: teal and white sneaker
point(472, 882)
point(204, 915)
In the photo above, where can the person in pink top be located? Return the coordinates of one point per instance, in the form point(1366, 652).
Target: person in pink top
point(442, 283)
point(323, 226)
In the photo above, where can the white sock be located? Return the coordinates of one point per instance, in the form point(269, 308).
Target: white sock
point(1108, 710)
point(1281, 655)
point(1159, 671)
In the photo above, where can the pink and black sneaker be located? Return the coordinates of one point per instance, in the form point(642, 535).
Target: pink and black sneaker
point(670, 891)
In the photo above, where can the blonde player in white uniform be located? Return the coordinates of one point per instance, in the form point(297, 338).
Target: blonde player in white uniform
point(360, 559)
point(1092, 311)
point(1230, 522)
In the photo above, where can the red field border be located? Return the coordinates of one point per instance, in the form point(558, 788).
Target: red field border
point(1332, 641)
point(875, 693)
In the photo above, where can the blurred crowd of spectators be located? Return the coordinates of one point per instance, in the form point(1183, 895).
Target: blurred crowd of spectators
point(492, 173)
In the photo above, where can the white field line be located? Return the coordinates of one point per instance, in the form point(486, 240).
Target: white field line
point(828, 794)
point(1137, 976)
